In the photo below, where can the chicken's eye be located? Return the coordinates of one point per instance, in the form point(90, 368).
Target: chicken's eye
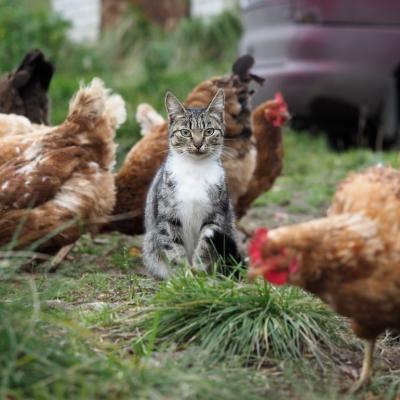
point(275, 252)
point(209, 132)
point(185, 132)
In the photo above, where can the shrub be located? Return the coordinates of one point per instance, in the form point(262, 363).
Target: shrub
point(24, 27)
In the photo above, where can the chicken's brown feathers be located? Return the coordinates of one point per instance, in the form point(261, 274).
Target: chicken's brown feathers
point(63, 177)
point(269, 161)
point(351, 258)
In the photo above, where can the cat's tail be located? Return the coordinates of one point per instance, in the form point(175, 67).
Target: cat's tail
point(227, 253)
point(148, 118)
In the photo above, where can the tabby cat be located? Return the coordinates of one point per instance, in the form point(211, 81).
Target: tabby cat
point(188, 217)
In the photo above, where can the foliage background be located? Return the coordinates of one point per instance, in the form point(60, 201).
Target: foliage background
point(137, 59)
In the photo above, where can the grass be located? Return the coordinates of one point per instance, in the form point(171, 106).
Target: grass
point(47, 357)
point(100, 327)
point(311, 172)
point(230, 318)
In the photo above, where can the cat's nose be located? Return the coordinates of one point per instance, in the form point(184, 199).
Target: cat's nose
point(198, 145)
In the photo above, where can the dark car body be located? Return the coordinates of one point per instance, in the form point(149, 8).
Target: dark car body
point(337, 62)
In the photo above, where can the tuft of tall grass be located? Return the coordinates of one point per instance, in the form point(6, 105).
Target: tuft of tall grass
point(235, 318)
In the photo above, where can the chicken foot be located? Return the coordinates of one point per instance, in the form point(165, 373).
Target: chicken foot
point(60, 256)
point(366, 370)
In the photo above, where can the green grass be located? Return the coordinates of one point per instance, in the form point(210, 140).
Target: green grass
point(45, 356)
point(311, 173)
point(230, 318)
point(99, 328)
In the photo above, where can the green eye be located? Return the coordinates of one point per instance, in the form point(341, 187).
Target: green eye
point(185, 132)
point(209, 131)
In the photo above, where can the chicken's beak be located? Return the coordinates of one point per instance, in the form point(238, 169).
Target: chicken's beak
point(254, 272)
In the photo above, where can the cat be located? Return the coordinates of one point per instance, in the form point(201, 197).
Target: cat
point(188, 216)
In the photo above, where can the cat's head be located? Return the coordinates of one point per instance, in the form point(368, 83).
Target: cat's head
point(197, 132)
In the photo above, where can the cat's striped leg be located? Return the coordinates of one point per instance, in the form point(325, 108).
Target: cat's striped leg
point(153, 258)
point(204, 254)
point(161, 251)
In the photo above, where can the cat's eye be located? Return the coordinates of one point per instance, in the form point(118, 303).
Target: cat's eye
point(209, 132)
point(185, 132)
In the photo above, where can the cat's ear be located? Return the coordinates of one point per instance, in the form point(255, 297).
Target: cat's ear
point(174, 107)
point(217, 105)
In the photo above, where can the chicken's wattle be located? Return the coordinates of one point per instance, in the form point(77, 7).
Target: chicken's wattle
point(255, 246)
point(278, 278)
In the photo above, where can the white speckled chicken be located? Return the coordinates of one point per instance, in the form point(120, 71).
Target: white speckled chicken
point(17, 133)
point(59, 184)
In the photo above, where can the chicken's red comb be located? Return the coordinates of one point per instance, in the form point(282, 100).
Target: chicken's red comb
point(255, 247)
point(276, 111)
point(279, 98)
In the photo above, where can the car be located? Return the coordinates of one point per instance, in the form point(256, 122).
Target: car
point(336, 62)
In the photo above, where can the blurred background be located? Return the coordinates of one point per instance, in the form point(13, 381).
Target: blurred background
point(336, 62)
point(140, 48)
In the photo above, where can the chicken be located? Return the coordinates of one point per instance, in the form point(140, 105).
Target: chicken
point(12, 146)
point(24, 91)
point(17, 133)
point(350, 259)
point(148, 118)
point(61, 184)
point(144, 159)
point(13, 124)
point(267, 121)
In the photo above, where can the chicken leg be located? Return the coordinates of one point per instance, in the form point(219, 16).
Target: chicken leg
point(61, 255)
point(366, 370)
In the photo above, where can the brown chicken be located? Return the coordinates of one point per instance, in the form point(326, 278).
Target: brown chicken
point(61, 184)
point(350, 259)
point(24, 91)
point(13, 124)
point(266, 121)
point(244, 155)
point(17, 133)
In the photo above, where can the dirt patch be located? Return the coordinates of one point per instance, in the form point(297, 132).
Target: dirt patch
point(272, 216)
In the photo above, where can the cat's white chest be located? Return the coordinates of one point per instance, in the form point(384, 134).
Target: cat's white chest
point(193, 180)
